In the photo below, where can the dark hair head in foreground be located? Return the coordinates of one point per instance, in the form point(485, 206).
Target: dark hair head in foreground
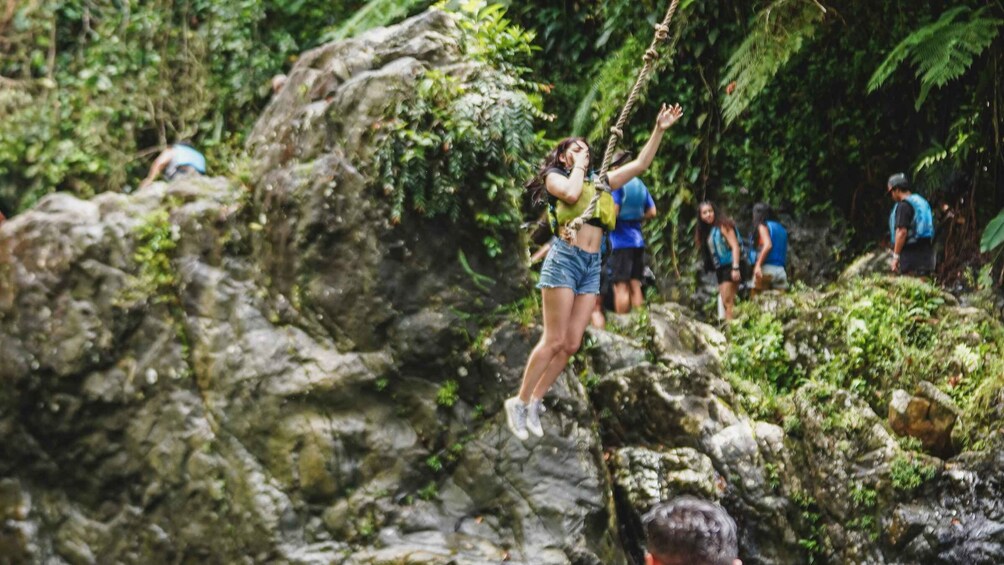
point(690, 531)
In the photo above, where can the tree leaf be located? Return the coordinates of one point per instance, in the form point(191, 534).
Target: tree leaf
point(993, 235)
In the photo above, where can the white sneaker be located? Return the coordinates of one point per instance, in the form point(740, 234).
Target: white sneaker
point(515, 416)
point(533, 412)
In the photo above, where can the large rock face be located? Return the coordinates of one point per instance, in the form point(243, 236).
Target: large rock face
point(328, 243)
point(198, 373)
point(207, 373)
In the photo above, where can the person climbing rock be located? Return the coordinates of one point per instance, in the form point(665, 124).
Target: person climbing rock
point(768, 250)
point(690, 531)
point(717, 240)
point(627, 257)
point(911, 229)
point(570, 276)
point(177, 160)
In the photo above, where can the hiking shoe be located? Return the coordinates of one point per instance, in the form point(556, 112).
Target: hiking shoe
point(515, 416)
point(533, 412)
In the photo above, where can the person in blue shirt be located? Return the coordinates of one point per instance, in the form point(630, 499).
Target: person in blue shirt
point(717, 240)
point(634, 205)
point(175, 161)
point(911, 229)
point(768, 250)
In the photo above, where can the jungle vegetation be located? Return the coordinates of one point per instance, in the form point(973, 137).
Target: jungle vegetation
point(806, 104)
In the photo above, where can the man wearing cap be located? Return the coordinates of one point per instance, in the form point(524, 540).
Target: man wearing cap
point(911, 229)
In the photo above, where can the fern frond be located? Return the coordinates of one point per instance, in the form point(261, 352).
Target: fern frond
point(374, 13)
point(585, 111)
point(781, 31)
point(941, 51)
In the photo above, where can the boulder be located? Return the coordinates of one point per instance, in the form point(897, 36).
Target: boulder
point(928, 415)
point(873, 263)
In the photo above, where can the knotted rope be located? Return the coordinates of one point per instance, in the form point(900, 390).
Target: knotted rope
point(617, 131)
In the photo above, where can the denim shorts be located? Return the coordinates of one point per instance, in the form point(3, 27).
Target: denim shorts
point(567, 266)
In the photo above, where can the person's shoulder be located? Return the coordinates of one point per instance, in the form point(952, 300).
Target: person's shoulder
point(635, 183)
point(557, 171)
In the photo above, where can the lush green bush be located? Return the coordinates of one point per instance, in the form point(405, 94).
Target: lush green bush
point(870, 336)
point(92, 89)
point(464, 144)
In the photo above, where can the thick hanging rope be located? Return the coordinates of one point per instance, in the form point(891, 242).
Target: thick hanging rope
point(617, 131)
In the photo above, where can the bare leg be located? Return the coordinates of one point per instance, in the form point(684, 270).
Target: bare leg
point(598, 320)
point(622, 297)
point(637, 297)
point(728, 291)
point(581, 311)
point(557, 306)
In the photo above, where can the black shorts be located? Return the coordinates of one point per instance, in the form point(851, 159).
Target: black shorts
point(724, 274)
point(917, 259)
point(627, 264)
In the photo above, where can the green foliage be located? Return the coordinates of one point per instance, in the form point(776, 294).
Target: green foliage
point(448, 393)
point(910, 443)
point(773, 476)
point(869, 336)
point(92, 89)
point(813, 543)
point(483, 282)
point(779, 32)
point(429, 491)
point(756, 350)
point(462, 148)
point(864, 501)
point(434, 463)
point(157, 280)
point(906, 473)
point(864, 497)
point(156, 240)
point(493, 39)
point(993, 234)
point(374, 13)
point(874, 327)
point(613, 83)
point(941, 51)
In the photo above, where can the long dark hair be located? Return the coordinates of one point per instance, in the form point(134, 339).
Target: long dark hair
point(722, 222)
point(536, 185)
point(761, 213)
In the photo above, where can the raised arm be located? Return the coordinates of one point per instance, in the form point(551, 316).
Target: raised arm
point(668, 116)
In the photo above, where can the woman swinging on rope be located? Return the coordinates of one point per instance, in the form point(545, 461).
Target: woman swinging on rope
point(570, 277)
